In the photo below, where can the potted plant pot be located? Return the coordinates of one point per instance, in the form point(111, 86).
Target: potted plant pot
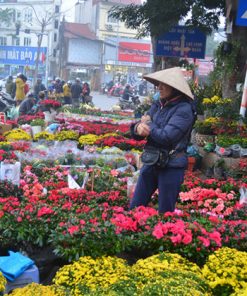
point(202, 139)
point(36, 129)
point(191, 163)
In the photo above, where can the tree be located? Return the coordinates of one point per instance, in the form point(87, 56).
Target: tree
point(43, 20)
point(233, 71)
point(155, 17)
point(5, 15)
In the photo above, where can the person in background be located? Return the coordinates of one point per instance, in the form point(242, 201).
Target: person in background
point(27, 105)
point(39, 86)
point(41, 96)
point(58, 86)
point(67, 92)
point(76, 91)
point(20, 88)
point(110, 85)
point(85, 92)
point(167, 127)
point(127, 93)
point(9, 86)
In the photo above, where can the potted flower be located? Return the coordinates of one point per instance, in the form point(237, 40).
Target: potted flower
point(49, 107)
point(225, 143)
point(204, 131)
point(37, 125)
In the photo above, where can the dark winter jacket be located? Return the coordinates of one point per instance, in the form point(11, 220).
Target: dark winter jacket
point(76, 90)
point(170, 128)
point(9, 86)
point(37, 88)
point(26, 106)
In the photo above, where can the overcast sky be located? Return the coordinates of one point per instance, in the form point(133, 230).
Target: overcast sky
point(68, 7)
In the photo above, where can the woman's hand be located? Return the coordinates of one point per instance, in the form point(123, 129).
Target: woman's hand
point(143, 129)
point(145, 118)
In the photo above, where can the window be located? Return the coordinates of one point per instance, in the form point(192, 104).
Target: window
point(55, 37)
point(56, 24)
point(111, 19)
point(28, 15)
point(54, 53)
point(57, 9)
point(15, 41)
point(27, 41)
point(3, 40)
point(18, 15)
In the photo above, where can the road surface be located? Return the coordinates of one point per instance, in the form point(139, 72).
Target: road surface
point(103, 102)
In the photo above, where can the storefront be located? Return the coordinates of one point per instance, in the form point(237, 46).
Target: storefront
point(20, 59)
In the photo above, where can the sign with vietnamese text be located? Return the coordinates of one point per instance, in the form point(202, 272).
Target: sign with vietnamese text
point(182, 42)
point(134, 52)
point(21, 55)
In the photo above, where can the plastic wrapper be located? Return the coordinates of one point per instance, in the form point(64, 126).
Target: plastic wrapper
point(14, 265)
point(112, 150)
point(11, 172)
point(236, 150)
point(192, 150)
point(243, 195)
point(223, 151)
point(243, 152)
point(131, 184)
point(52, 128)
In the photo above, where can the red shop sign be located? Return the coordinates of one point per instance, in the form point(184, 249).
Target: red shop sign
point(134, 52)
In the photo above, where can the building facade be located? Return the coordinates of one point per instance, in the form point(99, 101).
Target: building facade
point(33, 28)
point(120, 55)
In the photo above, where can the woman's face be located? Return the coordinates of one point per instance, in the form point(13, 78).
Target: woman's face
point(165, 90)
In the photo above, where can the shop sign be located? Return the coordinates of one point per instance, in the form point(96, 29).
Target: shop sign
point(21, 55)
point(134, 52)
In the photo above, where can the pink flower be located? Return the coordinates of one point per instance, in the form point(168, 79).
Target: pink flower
point(19, 219)
point(73, 229)
point(205, 241)
point(158, 231)
point(187, 239)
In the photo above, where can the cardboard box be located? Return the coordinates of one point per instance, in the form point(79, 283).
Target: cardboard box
point(5, 128)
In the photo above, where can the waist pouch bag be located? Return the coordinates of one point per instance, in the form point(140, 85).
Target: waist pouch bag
point(155, 156)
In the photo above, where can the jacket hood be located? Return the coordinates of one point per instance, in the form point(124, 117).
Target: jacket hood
point(172, 77)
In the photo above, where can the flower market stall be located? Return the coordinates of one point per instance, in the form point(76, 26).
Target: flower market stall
point(69, 213)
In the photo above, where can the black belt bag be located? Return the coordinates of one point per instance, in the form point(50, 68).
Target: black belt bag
point(155, 156)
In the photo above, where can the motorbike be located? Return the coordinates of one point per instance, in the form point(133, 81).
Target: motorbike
point(6, 102)
point(115, 91)
point(131, 104)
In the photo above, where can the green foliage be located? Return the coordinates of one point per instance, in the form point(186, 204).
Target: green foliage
point(5, 15)
point(227, 62)
point(38, 122)
point(158, 16)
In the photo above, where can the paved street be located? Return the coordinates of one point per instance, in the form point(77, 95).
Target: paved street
point(104, 102)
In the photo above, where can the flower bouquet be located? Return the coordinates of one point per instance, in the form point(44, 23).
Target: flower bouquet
point(49, 104)
point(49, 108)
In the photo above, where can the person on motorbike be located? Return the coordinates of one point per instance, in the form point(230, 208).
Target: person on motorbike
point(127, 93)
point(39, 86)
point(10, 84)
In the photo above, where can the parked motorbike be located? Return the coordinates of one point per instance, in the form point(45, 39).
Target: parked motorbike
point(6, 102)
point(131, 104)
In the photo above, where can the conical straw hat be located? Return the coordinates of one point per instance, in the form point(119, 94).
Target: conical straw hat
point(173, 77)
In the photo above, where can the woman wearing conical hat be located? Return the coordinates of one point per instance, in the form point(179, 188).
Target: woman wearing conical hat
point(167, 127)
